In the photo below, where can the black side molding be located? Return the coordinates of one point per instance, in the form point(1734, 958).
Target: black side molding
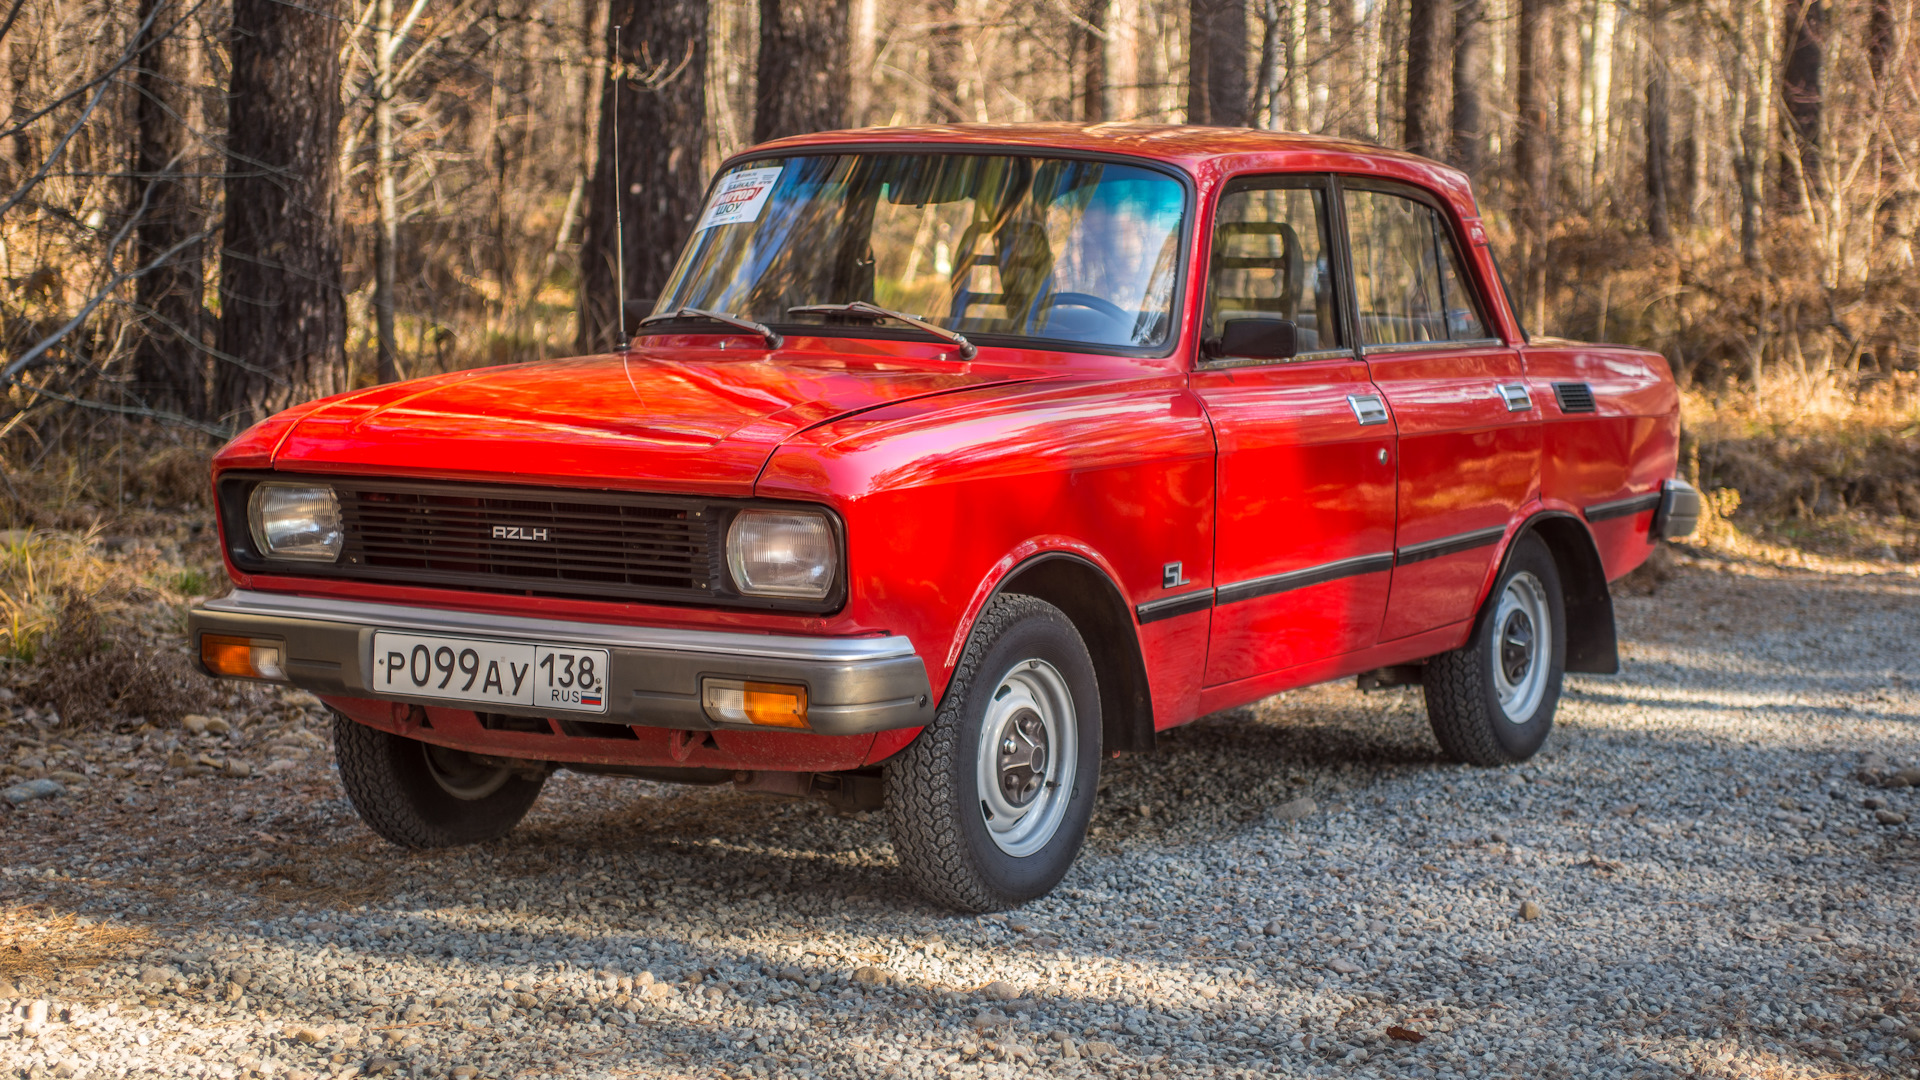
point(1449, 545)
point(1626, 507)
point(1167, 608)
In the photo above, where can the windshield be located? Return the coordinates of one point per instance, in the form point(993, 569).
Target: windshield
point(1079, 251)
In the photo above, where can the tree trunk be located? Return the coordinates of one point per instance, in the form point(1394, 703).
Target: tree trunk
point(1756, 99)
point(1801, 91)
point(283, 315)
point(943, 63)
point(1532, 150)
point(1659, 159)
point(1470, 75)
point(660, 97)
point(863, 45)
point(1093, 84)
point(802, 81)
point(169, 360)
point(386, 238)
point(1423, 132)
point(1267, 110)
point(1217, 63)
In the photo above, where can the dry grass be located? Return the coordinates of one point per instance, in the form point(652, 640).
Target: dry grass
point(36, 945)
point(108, 546)
point(1805, 472)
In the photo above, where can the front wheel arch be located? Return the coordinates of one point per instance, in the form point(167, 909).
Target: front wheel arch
point(1098, 610)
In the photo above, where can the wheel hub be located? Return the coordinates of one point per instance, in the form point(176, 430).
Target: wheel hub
point(1522, 647)
point(1023, 757)
point(1516, 646)
point(1026, 758)
point(460, 776)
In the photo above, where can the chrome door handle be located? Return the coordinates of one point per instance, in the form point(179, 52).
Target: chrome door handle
point(1368, 409)
point(1516, 396)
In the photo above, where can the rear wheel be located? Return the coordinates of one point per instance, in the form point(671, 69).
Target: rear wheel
point(1491, 701)
point(420, 795)
point(990, 804)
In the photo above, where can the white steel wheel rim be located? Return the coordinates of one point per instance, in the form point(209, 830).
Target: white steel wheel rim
point(460, 776)
point(1029, 749)
point(1522, 647)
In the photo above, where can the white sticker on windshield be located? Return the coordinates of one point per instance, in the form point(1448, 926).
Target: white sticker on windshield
point(740, 197)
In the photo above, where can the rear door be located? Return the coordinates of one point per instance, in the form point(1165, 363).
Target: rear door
point(1468, 427)
point(1305, 520)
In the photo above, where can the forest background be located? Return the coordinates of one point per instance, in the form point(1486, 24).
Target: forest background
point(214, 208)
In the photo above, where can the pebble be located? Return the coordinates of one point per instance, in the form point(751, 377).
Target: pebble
point(1530, 910)
point(1295, 810)
point(42, 788)
point(1889, 817)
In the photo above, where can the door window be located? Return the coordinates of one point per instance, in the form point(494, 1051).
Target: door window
point(1270, 260)
point(1407, 280)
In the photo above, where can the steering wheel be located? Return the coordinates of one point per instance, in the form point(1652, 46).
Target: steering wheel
point(1079, 299)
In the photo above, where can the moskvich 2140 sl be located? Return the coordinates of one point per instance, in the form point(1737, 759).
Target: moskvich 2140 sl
point(952, 462)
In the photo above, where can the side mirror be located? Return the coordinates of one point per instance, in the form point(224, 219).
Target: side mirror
point(1257, 339)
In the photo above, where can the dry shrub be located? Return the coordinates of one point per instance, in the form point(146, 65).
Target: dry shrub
point(1804, 448)
point(92, 675)
point(38, 570)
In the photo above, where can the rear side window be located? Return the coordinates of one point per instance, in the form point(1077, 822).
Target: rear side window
point(1270, 260)
point(1408, 283)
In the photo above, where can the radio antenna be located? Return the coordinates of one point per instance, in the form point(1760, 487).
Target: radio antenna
point(619, 198)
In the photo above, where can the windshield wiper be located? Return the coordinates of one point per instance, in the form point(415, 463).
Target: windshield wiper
point(767, 333)
point(862, 309)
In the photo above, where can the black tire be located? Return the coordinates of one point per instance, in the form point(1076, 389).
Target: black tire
point(1464, 688)
point(1021, 649)
point(423, 796)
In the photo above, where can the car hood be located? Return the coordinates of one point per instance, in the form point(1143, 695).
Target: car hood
point(656, 419)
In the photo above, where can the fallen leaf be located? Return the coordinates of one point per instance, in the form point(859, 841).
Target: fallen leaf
point(1405, 1034)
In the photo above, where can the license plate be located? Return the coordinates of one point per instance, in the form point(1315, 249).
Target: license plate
point(491, 672)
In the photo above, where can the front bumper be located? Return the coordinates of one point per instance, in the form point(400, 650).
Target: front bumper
point(854, 686)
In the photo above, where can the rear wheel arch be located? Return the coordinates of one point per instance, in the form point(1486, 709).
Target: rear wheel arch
point(1099, 611)
point(1592, 645)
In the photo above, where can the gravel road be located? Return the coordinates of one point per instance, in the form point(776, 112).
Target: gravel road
point(1705, 874)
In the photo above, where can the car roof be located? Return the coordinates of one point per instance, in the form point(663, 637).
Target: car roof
point(1196, 149)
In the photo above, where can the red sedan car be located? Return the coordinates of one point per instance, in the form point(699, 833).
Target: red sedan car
point(953, 462)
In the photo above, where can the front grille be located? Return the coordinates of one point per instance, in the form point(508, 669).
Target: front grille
point(522, 541)
point(525, 541)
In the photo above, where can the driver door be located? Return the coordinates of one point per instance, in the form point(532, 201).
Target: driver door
point(1303, 548)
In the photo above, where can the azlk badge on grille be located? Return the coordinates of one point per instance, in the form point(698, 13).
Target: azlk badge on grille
point(518, 532)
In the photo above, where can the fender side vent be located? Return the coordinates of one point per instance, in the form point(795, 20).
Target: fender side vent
point(1574, 397)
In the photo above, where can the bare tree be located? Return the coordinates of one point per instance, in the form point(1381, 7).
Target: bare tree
point(170, 358)
point(659, 96)
point(1424, 130)
point(1802, 94)
point(1659, 164)
point(1217, 63)
point(1469, 143)
point(1532, 148)
point(803, 79)
point(283, 316)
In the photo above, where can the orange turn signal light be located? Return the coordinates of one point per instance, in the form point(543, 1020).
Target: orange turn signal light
point(243, 657)
point(737, 701)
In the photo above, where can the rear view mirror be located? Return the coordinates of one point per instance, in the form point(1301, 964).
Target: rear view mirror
point(1257, 339)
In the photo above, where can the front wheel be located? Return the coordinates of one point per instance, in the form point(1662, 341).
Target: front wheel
point(1491, 701)
point(989, 806)
point(419, 795)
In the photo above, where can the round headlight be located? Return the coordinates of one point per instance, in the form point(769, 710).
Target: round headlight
point(296, 521)
point(782, 553)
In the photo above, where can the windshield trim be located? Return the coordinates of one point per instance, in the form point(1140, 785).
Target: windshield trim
point(1176, 303)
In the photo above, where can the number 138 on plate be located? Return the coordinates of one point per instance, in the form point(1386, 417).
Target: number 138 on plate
point(495, 672)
